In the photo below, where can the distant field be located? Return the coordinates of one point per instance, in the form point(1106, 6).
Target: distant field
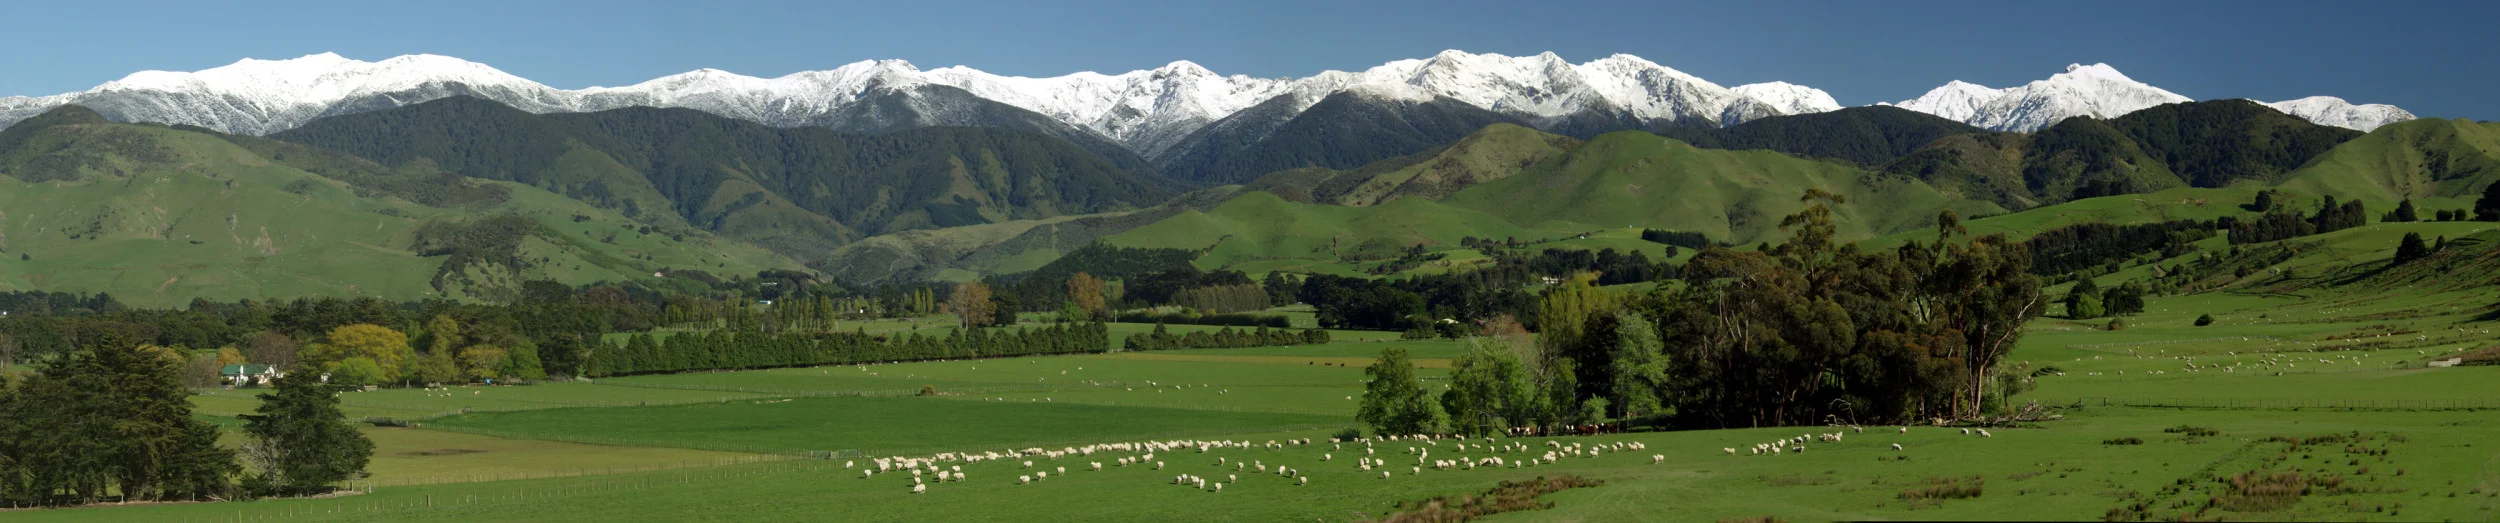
point(879, 426)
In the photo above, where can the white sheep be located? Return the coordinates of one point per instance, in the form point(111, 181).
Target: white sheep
point(1655, 459)
point(1041, 475)
point(1024, 479)
point(1305, 480)
point(1097, 466)
point(865, 474)
point(1028, 463)
point(917, 488)
point(1896, 447)
point(1984, 434)
point(1384, 474)
point(1064, 470)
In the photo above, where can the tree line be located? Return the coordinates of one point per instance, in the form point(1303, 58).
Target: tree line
point(732, 350)
point(1804, 332)
point(1226, 338)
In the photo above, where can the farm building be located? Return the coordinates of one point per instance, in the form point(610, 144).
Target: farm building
point(246, 374)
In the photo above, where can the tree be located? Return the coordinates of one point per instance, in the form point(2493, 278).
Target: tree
point(1564, 314)
point(442, 335)
point(299, 441)
point(2084, 290)
point(1086, 291)
point(8, 350)
point(2126, 298)
point(1394, 401)
point(482, 362)
point(2405, 212)
point(385, 347)
point(1561, 403)
point(1490, 390)
point(356, 372)
point(1639, 366)
point(2487, 209)
point(115, 418)
point(2084, 307)
point(523, 363)
point(971, 303)
point(272, 349)
point(433, 368)
point(2411, 248)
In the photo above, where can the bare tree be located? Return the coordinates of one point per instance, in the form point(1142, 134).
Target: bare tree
point(272, 349)
point(971, 301)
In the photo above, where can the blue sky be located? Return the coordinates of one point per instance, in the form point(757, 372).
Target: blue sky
point(2434, 58)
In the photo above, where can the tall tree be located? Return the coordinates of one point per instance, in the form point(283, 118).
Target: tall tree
point(1639, 366)
point(971, 302)
point(1086, 291)
point(2487, 208)
point(298, 441)
point(1394, 401)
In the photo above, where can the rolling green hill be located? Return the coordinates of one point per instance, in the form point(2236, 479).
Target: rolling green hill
point(798, 191)
point(1278, 234)
point(1635, 179)
point(1491, 153)
point(2194, 144)
point(2418, 159)
point(158, 216)
point(1867, 136)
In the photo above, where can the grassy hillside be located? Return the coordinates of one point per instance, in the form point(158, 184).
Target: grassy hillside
point(1867, 136)
point(1634, 179)
point(799, 191)
point(2417, 159)
point(1260, 227)
point(1491, 153)
point(159, 216)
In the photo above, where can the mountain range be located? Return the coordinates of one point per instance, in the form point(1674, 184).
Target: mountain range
point(1190, 122)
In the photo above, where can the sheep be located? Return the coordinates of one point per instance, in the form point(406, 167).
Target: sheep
point(1984, 434)
point(1064, 470)
point(1097, 466)
point(1965, 432)
point(1028, 463)
point(865, 474)
point(916, 488)
point(1384, 474)
point(1905, 430)
point(1232, 478)
point(1419, 470)
point(1896, 447)
point(1020, 480)
point(1158, 465)
point(1305, 480)
point(1326, 457)
point(1041, 475)
point(846, 464)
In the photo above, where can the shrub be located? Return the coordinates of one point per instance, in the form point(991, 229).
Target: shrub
point(2129, 440)
point(2204, 319)
point(928, 390)
point(2117, 324)
point(1348, 434)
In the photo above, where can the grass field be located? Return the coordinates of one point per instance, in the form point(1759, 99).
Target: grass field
point(2157, 420)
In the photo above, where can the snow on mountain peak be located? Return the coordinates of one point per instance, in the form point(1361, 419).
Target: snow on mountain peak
point(2329, 110)
point(2096, 90)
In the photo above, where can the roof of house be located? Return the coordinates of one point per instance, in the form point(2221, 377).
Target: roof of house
point(241, 369)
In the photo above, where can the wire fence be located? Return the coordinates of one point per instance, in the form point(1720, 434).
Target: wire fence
point(2294, 403)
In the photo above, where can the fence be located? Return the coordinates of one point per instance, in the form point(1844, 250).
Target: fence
point(2294, 403)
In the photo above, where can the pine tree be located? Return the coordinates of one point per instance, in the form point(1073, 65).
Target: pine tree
point(300, 441)
point(2410, 248)
point(2405, 212)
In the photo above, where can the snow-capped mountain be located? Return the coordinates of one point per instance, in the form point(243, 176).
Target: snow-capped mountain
point(2096, 90)
point(2329, 110)
point(2100, 91)
point(1146, 111)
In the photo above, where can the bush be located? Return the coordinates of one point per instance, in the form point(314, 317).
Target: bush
point(1348, 434)
point(355, 372)
point(2117, 324)
point(928, 390)
point(2204, 319)
point(2129, 440)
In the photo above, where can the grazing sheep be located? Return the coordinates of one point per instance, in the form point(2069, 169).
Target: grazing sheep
point(1896, 447)
point(1326, 457)
point(846, 464)
point(865, 474)
point(916, 489)
point(1097, 466)
point(1965, 432)
point(1063, 471)
point(1384, 474)
point(1024, 479)
point(1905, 430)
point(1306, 480)
point(1419, 470)
point(1657, 459)
point(1984, 434)
point(1158, 465)
point(1041, 475)
point(1028, 463)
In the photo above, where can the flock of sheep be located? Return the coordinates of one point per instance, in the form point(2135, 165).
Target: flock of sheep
point(1469, 454)
point(1797, 444)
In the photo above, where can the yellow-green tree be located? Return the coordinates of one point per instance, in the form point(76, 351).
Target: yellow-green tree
point(482, 362)
point(387, 348)
point(1564, 313)
point(230, 356)
point(444, 334)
